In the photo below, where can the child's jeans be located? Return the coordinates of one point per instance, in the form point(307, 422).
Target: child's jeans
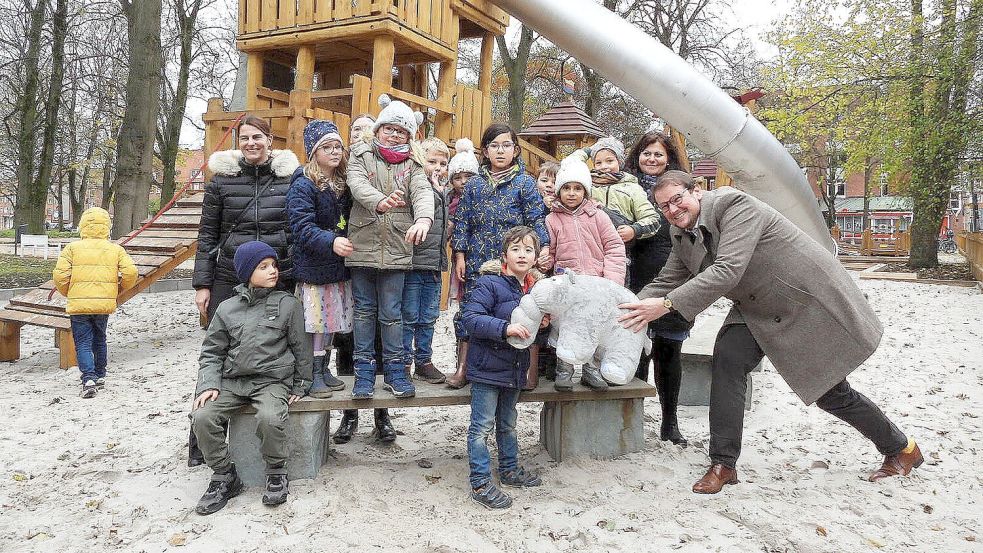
point(89, 334)
point(421, 307)
point(492, 407)
point(378, 296)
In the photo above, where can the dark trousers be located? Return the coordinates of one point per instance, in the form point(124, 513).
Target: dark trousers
point(735, 354)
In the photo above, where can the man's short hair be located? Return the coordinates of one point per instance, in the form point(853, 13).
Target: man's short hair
point(516, 235)
point(668, 178)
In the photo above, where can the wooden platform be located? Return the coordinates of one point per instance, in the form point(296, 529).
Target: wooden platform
point(168, 242)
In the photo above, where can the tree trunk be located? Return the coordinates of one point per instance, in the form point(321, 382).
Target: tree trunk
point(30, 201)
point(135, 148)
point(515, 69)
point(108, 191)
point(865, 216)
point(186, 21)
point(46, 162)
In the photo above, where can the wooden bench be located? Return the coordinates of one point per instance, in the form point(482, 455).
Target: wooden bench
point(44, 313)
point(580, 423)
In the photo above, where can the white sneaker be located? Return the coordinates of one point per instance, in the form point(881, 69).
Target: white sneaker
point(101, 381)
point(88, 389)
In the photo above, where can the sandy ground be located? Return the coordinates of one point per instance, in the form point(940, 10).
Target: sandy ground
point(109, 474)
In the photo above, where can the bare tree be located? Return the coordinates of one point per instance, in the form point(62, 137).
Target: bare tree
point(51, 109)
point(30, 201)
point(516, 66)
point(135, 147)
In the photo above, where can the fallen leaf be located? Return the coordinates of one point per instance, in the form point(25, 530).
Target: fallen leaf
point(432, 478)
point(927, 509)
point(93, 503)
point(970, 538)
point(178, 539)
point(424, 464)
point(820, 465)
point(876, 542)
point(21, 477)
point(821, 531)
point(111, 445)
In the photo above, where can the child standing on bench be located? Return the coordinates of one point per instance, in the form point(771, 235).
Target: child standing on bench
point(421, 292)
point(92, 273)
point(583, 240)
point(497, 371)
point(462, 167)
point(256, 352)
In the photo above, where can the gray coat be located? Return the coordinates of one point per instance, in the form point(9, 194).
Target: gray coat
point(256, 338)
point(800, 304)
point(379, 240)
point(431, 255)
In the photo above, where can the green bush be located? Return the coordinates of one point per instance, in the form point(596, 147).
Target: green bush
point(9, 233)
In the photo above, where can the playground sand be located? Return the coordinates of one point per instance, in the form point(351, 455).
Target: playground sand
point(109, 474)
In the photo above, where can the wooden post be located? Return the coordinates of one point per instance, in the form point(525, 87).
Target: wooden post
point(446, 85)
point(487, 64)
point(361, 95)
point(66, 349)
point(383, 55)
point(304, 77)
point(254, 78)
point(300, 102)
point(680, 142)
point(9, 341)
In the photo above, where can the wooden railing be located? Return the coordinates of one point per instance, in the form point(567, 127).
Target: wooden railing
point(971, 246)
point(533, 156)
point(897, 244)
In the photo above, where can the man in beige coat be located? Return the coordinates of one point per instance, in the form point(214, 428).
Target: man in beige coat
point(792, 301)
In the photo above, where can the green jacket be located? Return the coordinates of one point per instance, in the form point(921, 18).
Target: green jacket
point(379, 239)
point(628, 198)
point(256, 338)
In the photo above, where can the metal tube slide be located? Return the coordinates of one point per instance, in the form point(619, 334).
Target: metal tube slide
point(654, 75)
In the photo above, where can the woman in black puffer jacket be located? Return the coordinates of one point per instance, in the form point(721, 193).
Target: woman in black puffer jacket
point(245, 200)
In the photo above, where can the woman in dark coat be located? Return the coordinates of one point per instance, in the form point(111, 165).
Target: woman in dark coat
point(245, 200)
point(652, 156)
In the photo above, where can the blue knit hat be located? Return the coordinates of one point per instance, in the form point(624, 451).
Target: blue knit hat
point(248, 256)
point(318, 132)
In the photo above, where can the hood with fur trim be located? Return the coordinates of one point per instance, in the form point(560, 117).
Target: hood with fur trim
point(283, 163)
point(494, 267)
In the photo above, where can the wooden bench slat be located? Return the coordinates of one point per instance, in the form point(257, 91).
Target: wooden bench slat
point(39, 298)
point(437, 395)
point(48, 321)
point(37, 310)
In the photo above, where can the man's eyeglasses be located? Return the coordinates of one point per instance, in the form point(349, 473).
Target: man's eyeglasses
point(389, 130)
point(675, 200)
point(503, 147)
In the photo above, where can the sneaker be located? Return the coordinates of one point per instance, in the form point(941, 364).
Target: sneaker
point(276, 489)
point(363, 388)
point(490, 497)
point(221, 488)
point(520, 478)
point(88, 389)
point(428, 373)
point(101, 381)
point(397, 383)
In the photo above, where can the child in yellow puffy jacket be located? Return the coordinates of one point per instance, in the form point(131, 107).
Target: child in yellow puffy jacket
point(88, 274)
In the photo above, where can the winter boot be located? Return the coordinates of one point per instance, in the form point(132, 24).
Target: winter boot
point(330, 381)
point(384, 430)
point(428, 373)
point(221, 488)
point(460, 377)
point(667, 382)
point(564, 376)
point(347, 427)
point(364, 386)
point(591, 377)
point(318, 389)
point(277, 488)
point(397, 381)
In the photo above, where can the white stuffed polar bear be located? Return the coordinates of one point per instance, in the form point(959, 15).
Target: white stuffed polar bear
point(585, 329)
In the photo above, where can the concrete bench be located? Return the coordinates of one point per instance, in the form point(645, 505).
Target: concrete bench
point(580, 423)
point(697, 355)
point(36, 241)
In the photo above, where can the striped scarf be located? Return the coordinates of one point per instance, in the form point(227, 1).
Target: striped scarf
point(606, 179)
point(499, 177)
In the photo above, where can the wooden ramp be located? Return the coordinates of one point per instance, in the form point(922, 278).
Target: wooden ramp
point(156, 251)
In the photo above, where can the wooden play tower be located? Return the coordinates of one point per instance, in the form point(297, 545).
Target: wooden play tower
point(332, 59)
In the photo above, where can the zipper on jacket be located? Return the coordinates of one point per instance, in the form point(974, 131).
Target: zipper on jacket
point(256, 202)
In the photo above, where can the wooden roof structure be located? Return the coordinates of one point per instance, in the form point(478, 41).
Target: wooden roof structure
point(563, 123)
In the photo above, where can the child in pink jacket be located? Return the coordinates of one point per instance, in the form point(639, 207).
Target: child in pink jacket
point(582, 237)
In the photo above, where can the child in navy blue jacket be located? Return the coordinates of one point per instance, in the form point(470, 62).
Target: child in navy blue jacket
point(497, 371)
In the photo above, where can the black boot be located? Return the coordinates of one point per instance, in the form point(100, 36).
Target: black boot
point(667, 380)
point(564, 376)
point(384, 430)
point(330, 381)
point(347, 428)
point(221, 488)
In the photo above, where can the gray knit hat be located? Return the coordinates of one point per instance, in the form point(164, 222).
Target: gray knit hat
point(609, 143)
point(398, 114)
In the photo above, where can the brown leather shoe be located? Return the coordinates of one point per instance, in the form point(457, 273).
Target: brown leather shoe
point(898, 465)
point(428, 373)
point(715, 479)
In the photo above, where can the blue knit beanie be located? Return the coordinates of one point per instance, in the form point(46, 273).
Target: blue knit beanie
point(248, 256)
point(317, 132)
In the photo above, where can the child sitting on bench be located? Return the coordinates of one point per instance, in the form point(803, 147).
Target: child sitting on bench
point(256, 352)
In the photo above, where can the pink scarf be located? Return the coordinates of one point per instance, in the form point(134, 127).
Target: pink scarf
point(393, 157)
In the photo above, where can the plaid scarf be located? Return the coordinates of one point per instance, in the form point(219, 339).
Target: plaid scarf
point(499, 177)
point(606, 179)
point(647, 182)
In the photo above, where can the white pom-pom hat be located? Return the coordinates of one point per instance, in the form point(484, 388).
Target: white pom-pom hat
point(398, 114)
point(464, 161)
point(573, 169)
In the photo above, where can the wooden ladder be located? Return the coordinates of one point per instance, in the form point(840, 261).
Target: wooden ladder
point(157, 250)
